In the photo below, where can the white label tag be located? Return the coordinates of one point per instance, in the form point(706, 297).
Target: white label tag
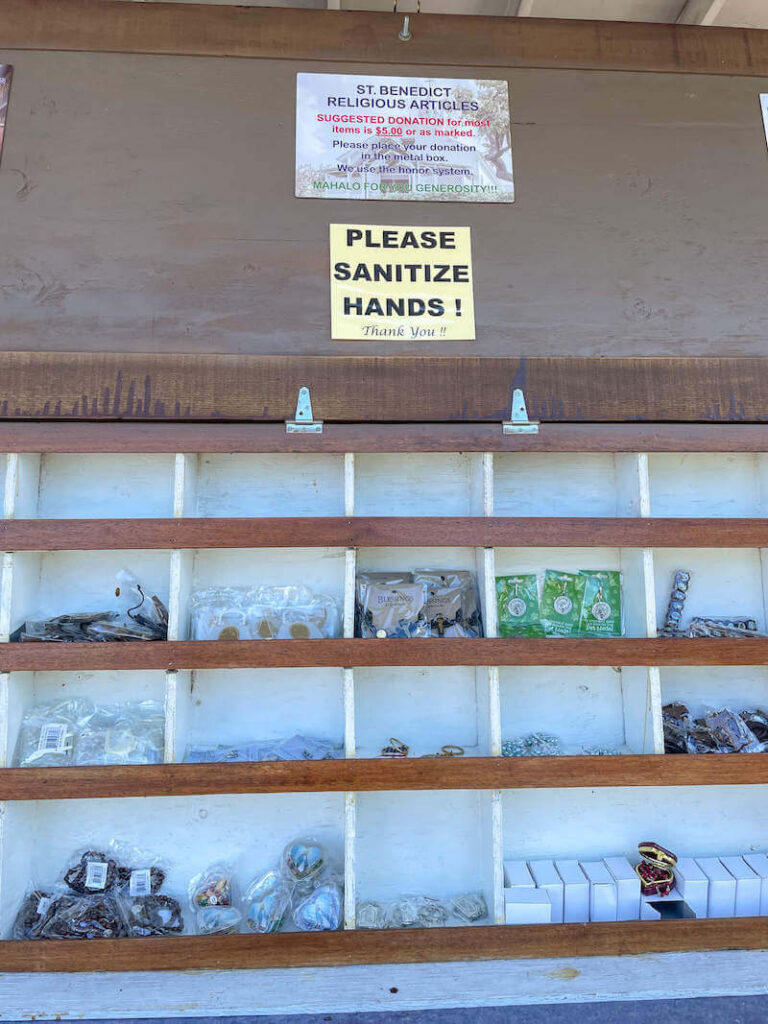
point(42, 906)
point(53, 738)
point(140, 883)
point(96, 874)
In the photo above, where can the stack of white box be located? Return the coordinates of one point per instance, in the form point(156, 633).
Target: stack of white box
point(567, 891)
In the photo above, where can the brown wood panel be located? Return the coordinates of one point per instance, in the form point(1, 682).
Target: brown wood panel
point(401, 389)
point(228, 438)
point(380, 531)
point(364, 775)
point(133, 225)
point(197, 29)
point(15, 657)
point(429, 945)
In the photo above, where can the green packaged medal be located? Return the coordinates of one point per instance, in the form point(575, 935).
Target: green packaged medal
point(601, 611)
point(561, 600)
point(517, 600)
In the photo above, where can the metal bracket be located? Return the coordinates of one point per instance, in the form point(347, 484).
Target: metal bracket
point(304, 422)
point(519, 424)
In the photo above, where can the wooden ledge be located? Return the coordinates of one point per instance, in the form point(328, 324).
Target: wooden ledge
point(367, 531)
point(382, 774)
point(414, 945)
point(371, 37)
point(215, 654)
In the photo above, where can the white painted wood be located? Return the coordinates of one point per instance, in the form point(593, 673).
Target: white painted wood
point(172, 696)
point(270, 485)
point(564, 484)
point(603, 822)
point(6, 594)
point(350, 860)
point(330, 990)
point(705, 484)
point(700, 12)
point(349, 484)
point(415, 483)
point(236, 706)
point(22, 483)
point(497, 853)
point(10, 469)
point(104, 486)
point(711, 687)
point(6, 739)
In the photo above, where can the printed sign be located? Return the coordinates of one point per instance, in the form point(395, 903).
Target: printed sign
point(371, 137)
point(401, 283)
point(6, 74)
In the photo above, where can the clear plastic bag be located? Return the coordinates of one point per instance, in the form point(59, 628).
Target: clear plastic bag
point(263, 613)
point(93, 871)
point(391, 606)
point(303, 859)
point(96, 916)
point(321, 910)
point(470, 907)
point(417, 912)
point(267, 902)
point(212, 888)
point(35, 910)
point(452, 607)
point(129, 733)
point(48, 731)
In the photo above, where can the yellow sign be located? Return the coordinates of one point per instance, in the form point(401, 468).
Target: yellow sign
point(401, 283)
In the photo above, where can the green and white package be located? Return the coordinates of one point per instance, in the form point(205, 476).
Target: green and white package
point(561, 600)
point(601, 608)
point(517, 600)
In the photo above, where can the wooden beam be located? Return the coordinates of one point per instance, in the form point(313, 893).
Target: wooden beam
point(124, 26)
point(379, 531)
point(228, 438)
point(199, 654)
point(113, 386)
point(700, 12)
point(382, 774)
point(414, 945)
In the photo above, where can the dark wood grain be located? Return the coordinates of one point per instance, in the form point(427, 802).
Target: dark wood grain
point(15, 657)
point(431, 945)
point(366, 531)
point(196, 29)
point(232, 438)
point(113, 386)
point(364, 775)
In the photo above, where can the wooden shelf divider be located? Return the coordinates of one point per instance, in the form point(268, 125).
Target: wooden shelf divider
point(202, 654)
point(379, 531)
point(416, 945)
point(380, 774)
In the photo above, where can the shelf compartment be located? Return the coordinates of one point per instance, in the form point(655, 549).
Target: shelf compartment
point(55, 486)
point(406, 483)
point(379, 774)
point(365, 531)
point(712, 484)
point(582, 483)
point(589, 706)
point(414, 945)
point(345, 652)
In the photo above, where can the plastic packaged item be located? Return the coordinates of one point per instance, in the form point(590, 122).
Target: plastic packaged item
point(370, 916)
point(517, 601)
point(731, 732)
point(717, 627)
point(679, 592)
point(561, 601)
point(268, 900)
point(153, 915)
point(418, 912)
point(217, 755)
point(452, 607)
point(470, 907)
point(303, 859)
point(129, 733)
point(218, 613)
point(95, 916)
point(602, 606)
point(218, 920)
point(676, 719)
point(757, 722)
point(48, 731)
point(212, 888)
point(35, 910)
point(392, 609)
point(321, 910)
point(536, 744)
point(94, 872)
point(263, 613)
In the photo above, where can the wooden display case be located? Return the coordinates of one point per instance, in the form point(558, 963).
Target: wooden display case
point(81, 501)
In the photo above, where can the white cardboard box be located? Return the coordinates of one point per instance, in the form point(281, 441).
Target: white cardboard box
point(748, 886)
point(527, 906)
point(722, 887)
point(759, 864)
point(546, 877)
point(693, 885)
point(517, 875)
point(627, 888)
point(602, 891)
point(652, 908)
point(575, 891)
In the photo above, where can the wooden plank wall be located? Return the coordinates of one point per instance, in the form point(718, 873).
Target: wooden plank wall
point(147, 201)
